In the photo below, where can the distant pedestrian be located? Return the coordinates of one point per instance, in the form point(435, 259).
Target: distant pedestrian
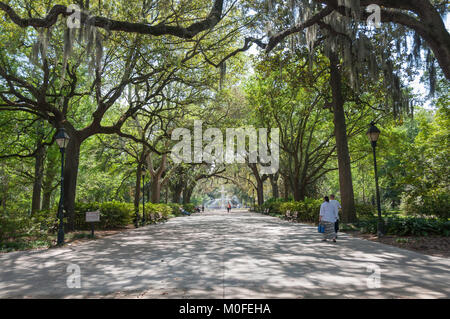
point(327, 218)
point(337, 206)
point(184, 212)
point(229, 207)
point(203, 208)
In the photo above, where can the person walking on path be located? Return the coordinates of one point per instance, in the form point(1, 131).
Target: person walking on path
point(228, 207)
point(337, 206)
point(327, 218)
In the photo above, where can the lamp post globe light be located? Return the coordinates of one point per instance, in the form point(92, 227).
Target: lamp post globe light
point(373, 133)
point(62, 139)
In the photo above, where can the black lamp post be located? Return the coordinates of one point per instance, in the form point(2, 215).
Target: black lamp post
point(63, 140)
point(143, 196)
point(373, 133)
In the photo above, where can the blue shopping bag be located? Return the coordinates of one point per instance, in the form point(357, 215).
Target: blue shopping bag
point(321, 228)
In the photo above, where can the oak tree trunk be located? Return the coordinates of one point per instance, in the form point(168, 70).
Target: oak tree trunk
point(176, 194)
point(187, 194)
point(70, 179)
point(155, 187)
point(38, 177)
point(286, 188)
point(50, 176)
point(137, 192)
point(4, 187)
point(274, 183)
point(340, 132)
point(260, 192)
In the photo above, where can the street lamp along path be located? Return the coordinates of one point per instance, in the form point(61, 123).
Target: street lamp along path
point(62, 139)
point(373, 134)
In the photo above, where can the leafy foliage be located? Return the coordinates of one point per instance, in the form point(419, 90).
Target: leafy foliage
point(21, 225)
point(158, 212)
point(364, 210)
point(408, 226)
point(304, 211)
point(432, 203)
point(113, 215)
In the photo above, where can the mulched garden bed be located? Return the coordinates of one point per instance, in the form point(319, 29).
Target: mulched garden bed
point(432, 245)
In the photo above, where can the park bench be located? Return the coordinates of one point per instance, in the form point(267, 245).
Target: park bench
point(162, 217)
point(291, 216)
point(287, 215)
point(156, 217)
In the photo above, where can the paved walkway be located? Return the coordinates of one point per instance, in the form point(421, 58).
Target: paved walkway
point(220, 255)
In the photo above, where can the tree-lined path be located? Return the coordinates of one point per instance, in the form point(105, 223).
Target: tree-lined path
point(220, 255)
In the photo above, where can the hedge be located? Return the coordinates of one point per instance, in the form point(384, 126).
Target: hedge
point(113, 215)
point(304, 211)
point(175, 209)
point(189, 208)
point(364, 210)
point(307, 211)
point(307, 208)
point(20, 224)
point(407, 226)
point(272, 206)
point(157, 212)
point(433, 203)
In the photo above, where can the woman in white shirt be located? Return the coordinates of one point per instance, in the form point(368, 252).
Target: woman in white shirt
point(327, 218)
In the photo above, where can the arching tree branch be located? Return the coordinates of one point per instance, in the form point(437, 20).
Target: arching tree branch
point(214, 17)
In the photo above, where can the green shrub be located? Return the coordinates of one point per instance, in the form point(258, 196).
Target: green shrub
point(368, 226)
point(433, 203)
point(175, 209)
point(189, 208)
point(409, 226)
point(12, 226)
point(307, 210)
point(157, 212)
point(21, 225)
point(80, 214)
point(116, 214)
point(259, 209)
point(364, 210)
point(113, 215)
point(272, 206)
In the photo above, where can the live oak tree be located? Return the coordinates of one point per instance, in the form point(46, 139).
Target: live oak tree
point(423, 18)
point(79, 79)
point(114, 61)
point(340, 27)
point(41, 95)
point(292, 98)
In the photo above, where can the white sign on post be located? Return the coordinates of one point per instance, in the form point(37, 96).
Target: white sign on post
point(93, 216)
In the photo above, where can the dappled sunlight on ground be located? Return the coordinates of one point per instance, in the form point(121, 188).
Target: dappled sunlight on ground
point(221, 255)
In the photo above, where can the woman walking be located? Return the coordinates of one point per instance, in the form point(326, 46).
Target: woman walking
point(327, 218)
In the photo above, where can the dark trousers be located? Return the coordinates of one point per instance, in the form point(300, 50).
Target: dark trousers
point(336, 226)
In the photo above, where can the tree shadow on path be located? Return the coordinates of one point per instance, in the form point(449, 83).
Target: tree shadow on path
point(220, 255)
